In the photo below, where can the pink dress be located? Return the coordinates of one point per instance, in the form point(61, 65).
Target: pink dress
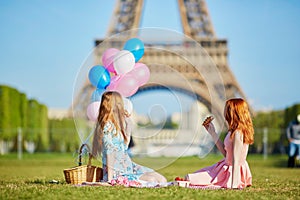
point(219, 175)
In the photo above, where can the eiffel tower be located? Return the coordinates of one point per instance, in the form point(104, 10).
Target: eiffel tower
point(197, 26)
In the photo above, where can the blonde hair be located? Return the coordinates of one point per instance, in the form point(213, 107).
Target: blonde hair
point(238, 117)
point(111, 109)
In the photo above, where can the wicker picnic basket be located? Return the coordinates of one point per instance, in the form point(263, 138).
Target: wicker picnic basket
point(83, 173)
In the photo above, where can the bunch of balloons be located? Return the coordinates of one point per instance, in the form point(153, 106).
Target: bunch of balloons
point(120, 72)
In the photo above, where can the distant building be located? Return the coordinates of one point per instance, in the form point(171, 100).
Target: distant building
point(189, 139)
point(198, 112)
point(58, 113)
point(143, 119)
point(191, 119)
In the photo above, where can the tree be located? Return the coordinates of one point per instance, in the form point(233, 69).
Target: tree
point(291, 113)
point(5, 116)
point(272, 122)
point(43, 129)
point(61, 132)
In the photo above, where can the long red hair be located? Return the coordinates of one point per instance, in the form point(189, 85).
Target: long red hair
point(238, 117)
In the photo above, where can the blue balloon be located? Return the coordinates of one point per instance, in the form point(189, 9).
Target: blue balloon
point(136, 47)
point(99, 77)
point(97, 94)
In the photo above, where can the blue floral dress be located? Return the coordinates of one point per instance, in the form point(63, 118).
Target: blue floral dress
point(115, 149)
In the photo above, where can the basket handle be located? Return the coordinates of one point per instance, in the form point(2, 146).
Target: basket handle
point(80, 155)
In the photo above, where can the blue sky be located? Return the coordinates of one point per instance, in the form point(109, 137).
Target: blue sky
point(44, 43)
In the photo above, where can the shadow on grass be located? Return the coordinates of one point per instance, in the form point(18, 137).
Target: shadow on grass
point(43, 182)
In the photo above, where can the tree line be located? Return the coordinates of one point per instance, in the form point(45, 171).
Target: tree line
point(30, 117)
point(273, 123)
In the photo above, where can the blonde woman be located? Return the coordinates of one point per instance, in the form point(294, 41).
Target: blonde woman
point(233, 171)
point(111, 139)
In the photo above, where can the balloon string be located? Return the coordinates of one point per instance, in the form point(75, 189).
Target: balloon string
point(89, 136)
point(81, 140)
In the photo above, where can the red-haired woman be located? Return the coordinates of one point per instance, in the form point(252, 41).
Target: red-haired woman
point(233, 171)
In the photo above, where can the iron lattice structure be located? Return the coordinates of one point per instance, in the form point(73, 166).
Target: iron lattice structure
point(196, 25)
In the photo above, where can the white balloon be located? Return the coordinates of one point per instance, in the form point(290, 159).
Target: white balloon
point(124, 62)
point(128, 105)
point(92, 111)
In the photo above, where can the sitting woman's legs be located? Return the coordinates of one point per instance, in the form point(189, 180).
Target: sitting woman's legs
point(153, 177)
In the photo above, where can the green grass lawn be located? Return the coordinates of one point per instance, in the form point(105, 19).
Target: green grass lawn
point(29, 179)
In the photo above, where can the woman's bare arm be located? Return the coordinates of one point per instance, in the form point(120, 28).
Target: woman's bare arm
point(211, 130)
point(237, 151)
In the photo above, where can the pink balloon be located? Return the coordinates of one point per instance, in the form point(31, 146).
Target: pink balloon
point(126, 85)
point(108, 59)
point(141, 73)
point(113, 83)
point(92, 111)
